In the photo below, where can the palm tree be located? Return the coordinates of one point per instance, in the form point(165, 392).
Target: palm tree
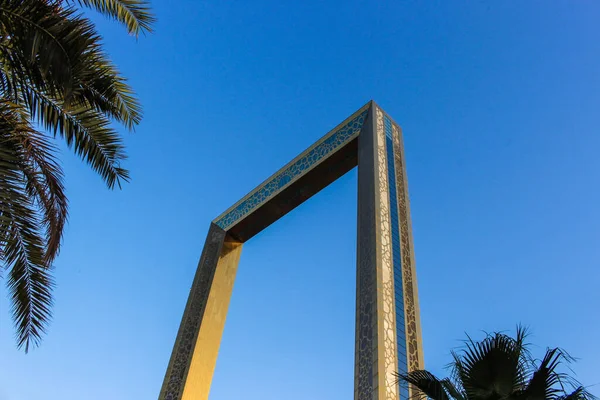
point(500, 367)
point(55, 82)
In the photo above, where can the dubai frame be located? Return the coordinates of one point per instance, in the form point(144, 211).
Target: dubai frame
point(388, 331)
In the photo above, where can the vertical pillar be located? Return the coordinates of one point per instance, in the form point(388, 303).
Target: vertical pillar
point(194, 355)
point(376, 344)
point(388, 332)
point(365, 359)
point(414, 345)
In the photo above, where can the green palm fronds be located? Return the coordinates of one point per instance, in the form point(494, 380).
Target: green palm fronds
point(54, 75)
point(500, 367)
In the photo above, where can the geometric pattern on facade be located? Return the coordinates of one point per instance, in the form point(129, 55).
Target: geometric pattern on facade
point(387, 274)
point(388, 331)
point(407, 272)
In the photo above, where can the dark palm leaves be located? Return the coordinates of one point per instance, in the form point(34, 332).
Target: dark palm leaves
point(53, 72)
point(31, 199)
point(135, 15)
point(500, 368)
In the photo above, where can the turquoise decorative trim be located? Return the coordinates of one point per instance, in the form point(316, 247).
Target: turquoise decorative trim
point(326, 147)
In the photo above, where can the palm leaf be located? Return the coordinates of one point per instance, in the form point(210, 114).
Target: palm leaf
point(580, 393)
point(40, 48)
point(134, 14)
point(23, 246)
point(44, 184)
point(427, 383)
point(53, 71)
point(86, 130)
point(492, 367)
point(92, 80)
point(453, 391)
point(500, 367)
point(548, 382)
point(109, 94)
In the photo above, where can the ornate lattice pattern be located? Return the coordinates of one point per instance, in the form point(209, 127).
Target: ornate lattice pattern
point(407, 257)
point(326, 147)
point(387, 274)
point(190, 326)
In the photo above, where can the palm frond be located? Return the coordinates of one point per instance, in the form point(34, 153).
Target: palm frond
point(134, 14)
point(41, 43)
point(453, 391)
point(44, 179)
point(425, 382)
point(22, 244)
point(78, 112)
point(580, 393)
point(101, 87)
point(491, 367)
point(110, 95)
point(91, 79)
point(53, 71)
point(84, 129)
point(500, 367)
point(548, 381)
point(29, 282)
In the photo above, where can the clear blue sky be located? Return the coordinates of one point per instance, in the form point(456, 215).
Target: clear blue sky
point(499, 102)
